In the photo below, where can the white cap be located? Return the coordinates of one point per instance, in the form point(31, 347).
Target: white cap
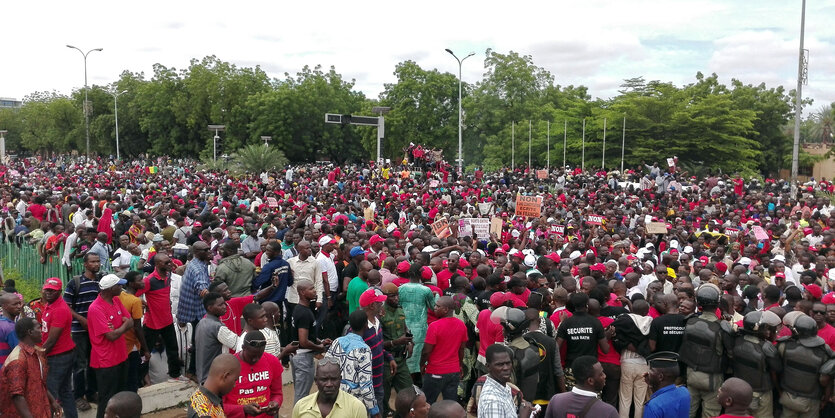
point(745, 261)
point(574, 255)
point(109, 281)
point(530, 260)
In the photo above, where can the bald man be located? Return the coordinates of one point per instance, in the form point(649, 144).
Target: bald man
point(447, 408)
point(441, 364)
point(124, 405)
point(207, 401)
point(735, 396)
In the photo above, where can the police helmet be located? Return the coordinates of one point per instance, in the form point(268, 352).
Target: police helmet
point(805, 326)
point(708, 294)
point(514, 322)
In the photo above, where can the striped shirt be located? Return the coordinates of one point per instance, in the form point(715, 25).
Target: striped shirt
point(195, 280)
point(373, 336)
point(80, 301)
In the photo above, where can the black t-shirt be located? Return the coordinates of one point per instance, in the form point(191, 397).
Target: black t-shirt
point(581, 333)
point(303, 319)
point(613, 311)
point(482, 299)
point(667, 331)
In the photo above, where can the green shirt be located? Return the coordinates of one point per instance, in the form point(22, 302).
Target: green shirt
point(394, 327)
point(416, 299)
point(355, 288)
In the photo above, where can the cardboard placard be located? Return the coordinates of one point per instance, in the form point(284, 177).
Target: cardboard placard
point(542, 174)
point(271, 202)
point(481, 226)
point(732, 232)
point(530, 206)
point(441, 228)
point(433, 183)
point(656, 228)
point(671, 162)
point(760, 233)
point(594, 219)
point(496, 226)
point(557, 230)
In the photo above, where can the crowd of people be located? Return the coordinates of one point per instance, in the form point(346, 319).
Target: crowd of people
point(648, 293)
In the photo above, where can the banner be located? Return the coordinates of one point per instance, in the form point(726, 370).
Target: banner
point(496, 226)
point(271, 202)
point(530, 206)
point(732, 232)
point(760, 233)
point(557, 229)
point(542, 174)
point(433, 183)
point(441, 228)
point(594, 219)
point(481, 226)
point(656, 228)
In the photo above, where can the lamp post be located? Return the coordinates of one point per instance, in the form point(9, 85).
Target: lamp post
point(798, 100)
point(86, 104)
point(216, 129)
point(3, 133)
point(116, 95)
point(460, 114)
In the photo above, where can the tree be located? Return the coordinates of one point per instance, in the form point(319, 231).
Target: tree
point(822, 127)
point(257, 158)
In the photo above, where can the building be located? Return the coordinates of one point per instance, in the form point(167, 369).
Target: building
point(6, 102)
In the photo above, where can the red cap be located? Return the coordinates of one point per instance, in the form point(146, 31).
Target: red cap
point(239, 222)
point(370, 296)
point(554, 256)
point(403, 267)
point(814, 290)
point(722, 267)
point(425, 273)
point(375, 239)
point(53, 283)
point(829, 298)
point(498, 299)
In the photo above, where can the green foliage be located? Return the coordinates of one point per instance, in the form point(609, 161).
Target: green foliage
point(708, 125)
point(257, 158)
point(26, 287)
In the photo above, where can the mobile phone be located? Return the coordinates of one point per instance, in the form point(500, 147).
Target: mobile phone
point(409, 334)
point(294, 343)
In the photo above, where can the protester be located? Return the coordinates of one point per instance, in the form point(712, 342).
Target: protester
point(735, 397)
point(304, 331)
point(23, 377)
point(582, 399)
point(58, 346)
point(329, 400)
point(496, 398)
point(354, 358)
point(137, 346)
point(258, 391)
point(125, 404)
point(667, 400)
point(211, 336)
point(207, 401)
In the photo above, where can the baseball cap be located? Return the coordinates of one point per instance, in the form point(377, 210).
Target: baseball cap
point(425, 273)
point(325, 240)
point(554, 256)
point(814, 290)
point(239, 222)
point(53, 283)
point(157, 238)
point(403, 267)
point(370, 296)
point(498, 299)
point(110, 280)
point(356, 251)
point(828, 298)
point(375, 239)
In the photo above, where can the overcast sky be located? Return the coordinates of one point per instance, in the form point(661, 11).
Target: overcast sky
point(595, 43)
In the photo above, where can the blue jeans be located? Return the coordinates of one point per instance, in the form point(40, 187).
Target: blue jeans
point(59, 381)
point(441, 384)
point(302, 374)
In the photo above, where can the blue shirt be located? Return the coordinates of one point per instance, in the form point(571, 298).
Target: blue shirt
point(8, 338)
point(195, 280)
point(280, 268)
point(668, 402)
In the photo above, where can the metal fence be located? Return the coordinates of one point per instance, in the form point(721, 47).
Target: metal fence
point(25, 259)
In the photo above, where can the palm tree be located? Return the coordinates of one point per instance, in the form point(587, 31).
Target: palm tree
point(257, 158)
point(823, 120)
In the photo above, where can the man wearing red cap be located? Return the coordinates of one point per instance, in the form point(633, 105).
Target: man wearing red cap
point(376, 247)
point(56, 323)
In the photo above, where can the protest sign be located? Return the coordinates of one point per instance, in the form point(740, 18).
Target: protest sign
point(656, 228)
point(481, 227)
point(557, 230)
point(441, 228)
point(496, 226)
point(732, 232)
point(760, 233)
point(671, 162)
point(530, 206)
point(485, 207)
point(433, 183)
point(542, 174)
point(271, 202)
point(594, 219)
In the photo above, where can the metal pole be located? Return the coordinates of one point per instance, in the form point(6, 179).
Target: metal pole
point(530, 128)
point(623, 145)
point(116, 116)
point(564, 140)
point(86, 104)
point(381, 132)
point(512, 146)
point(583, 155)
point(797, 102)
point(460, 111)
point(214, 147)
point(603, 163)
point(548, 147)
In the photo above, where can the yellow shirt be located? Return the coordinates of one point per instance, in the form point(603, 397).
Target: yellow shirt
point(346, 406)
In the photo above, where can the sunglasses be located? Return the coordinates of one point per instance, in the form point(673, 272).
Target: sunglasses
point(819, 312)
point(256, 343)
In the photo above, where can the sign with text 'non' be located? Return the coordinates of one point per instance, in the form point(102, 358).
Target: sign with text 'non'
point(557, 229)
point(530, 206)
point(441, 228)
point(594, 219)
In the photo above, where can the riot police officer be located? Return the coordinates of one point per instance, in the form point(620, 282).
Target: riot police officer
point(525, 355)
point(756, 360)
point(706, 347)
point(808, 366)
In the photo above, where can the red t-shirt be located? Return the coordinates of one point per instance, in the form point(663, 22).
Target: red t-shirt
point(57, 314)
point(488, 332)
point(828, 335)
point(520, 301)
point(38, 211)
point(447, 335)
point(400, 281)
point(259, 383)
point(101, 319)
point(157, 293)
point(612, 357)
point(234, 310)
point(444, 276)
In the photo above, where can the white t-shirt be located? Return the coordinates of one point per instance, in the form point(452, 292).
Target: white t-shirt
point(327, 265)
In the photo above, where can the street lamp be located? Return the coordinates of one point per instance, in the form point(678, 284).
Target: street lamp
point(460, 155)
point(116, 95)
point(86, 104)
point(216, 128)
point(3, 132)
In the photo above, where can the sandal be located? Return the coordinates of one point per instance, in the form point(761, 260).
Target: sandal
point(82, 405)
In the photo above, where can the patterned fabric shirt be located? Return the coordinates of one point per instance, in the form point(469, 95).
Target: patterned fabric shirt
point(355, 361)
point(24, 374)
point(495, 401)
point(195, 280)
point(205, 404)
point(416, 299)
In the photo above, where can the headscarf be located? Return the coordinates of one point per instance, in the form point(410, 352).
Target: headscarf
point(106, 224)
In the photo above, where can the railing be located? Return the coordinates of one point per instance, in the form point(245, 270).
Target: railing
point(24, 258)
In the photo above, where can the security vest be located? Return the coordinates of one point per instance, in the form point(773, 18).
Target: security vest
point(750, 362)
point(701, 348)
point(803, 362)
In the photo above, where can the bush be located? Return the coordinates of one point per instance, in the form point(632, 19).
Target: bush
point(29, 289)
